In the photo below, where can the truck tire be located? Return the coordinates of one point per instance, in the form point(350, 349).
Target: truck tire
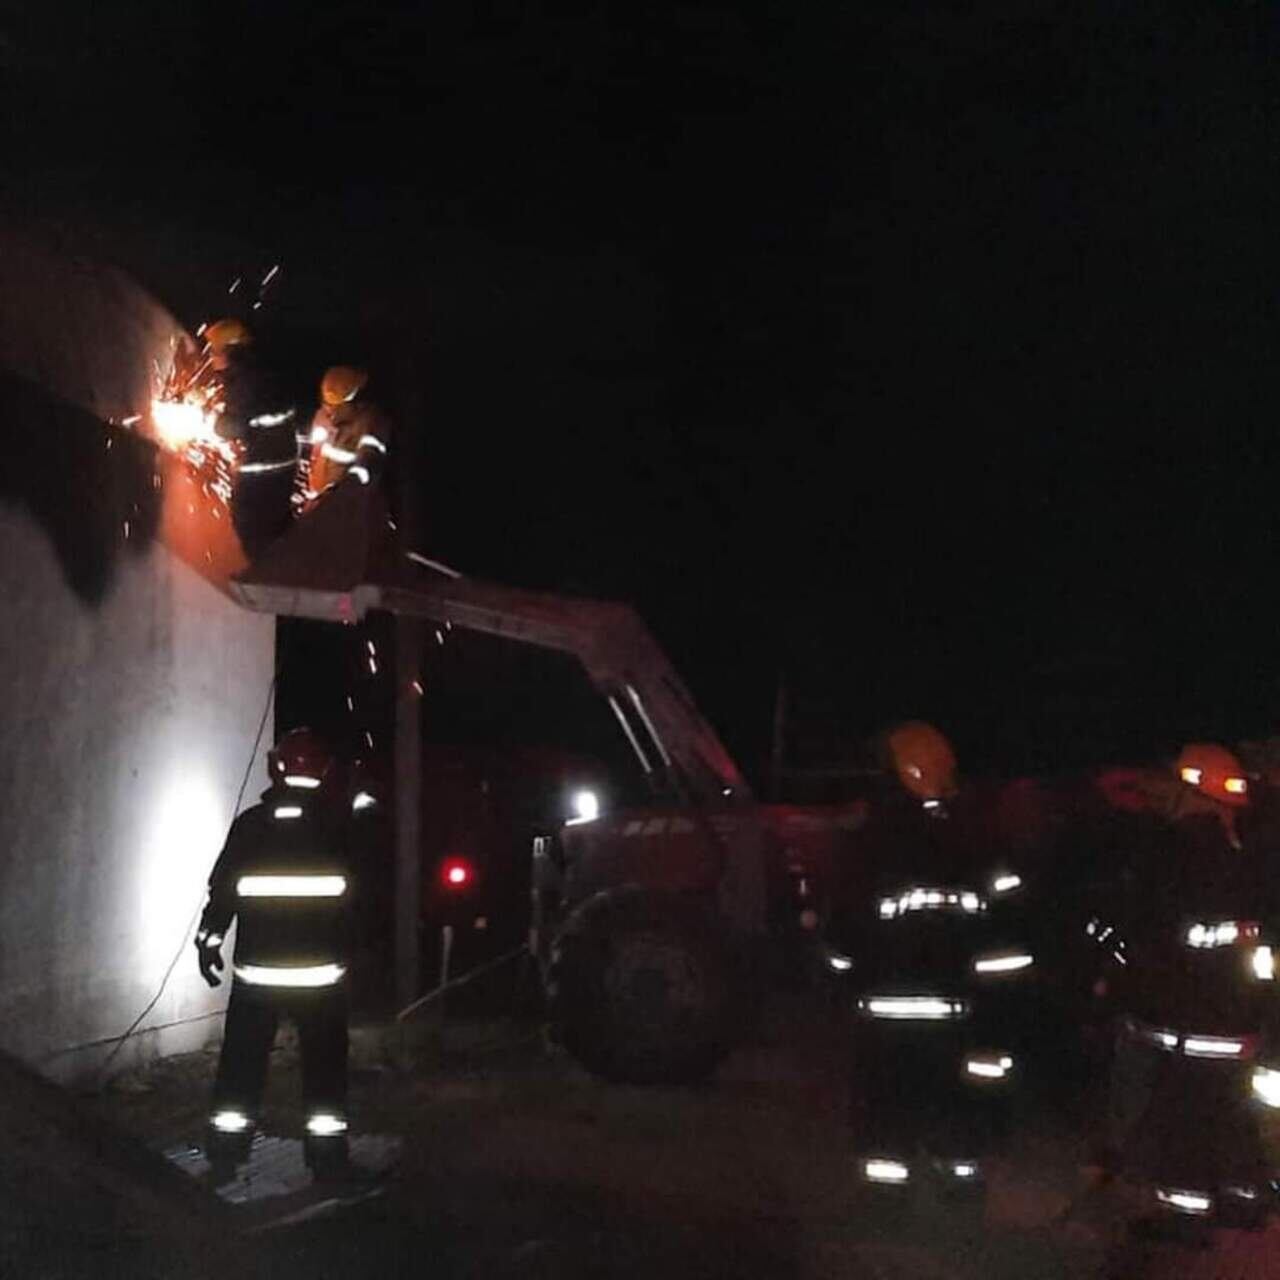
point(643, 988)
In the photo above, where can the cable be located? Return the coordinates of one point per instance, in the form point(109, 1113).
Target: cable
point(182, 945)
point(462, 981)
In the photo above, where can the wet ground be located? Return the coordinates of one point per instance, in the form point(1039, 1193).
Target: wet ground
point(518, 1164)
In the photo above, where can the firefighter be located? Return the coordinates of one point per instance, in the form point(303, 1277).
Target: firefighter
point(928, 942)
point(1187, 921)
point(285, 876)
point(255, 417)
point(348, 436)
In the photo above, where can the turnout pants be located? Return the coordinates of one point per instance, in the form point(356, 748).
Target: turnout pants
point(909, 1095)
point(253, 1017)
point(1183, 1121)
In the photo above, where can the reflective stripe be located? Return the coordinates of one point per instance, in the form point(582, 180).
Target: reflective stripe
point(302, 781)
point(213, 940)
point(326, 1125)
point(1194, 1202)
point(925, 1008)
point(880, 1170)
point(1212, 1047)
point(1266, 1086)
point(371, 442)
point(337, 454)
point(291, 886)
point(362, 800)
point(271, 419)
point(256, 468)
point(991, 1066)
point(360, 473)
point(315, 975)
point(1009, 962)
point(287, 811)
point(919, 899)
point(319, 434)
point(229, 1121)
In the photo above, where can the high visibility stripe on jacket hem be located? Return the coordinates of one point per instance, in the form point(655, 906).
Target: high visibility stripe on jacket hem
point(291, 976)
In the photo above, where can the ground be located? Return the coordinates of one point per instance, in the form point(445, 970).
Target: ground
point(516, 1163)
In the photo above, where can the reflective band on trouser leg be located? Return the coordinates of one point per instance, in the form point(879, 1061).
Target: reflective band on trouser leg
point(337, 454)
point(326, 1124)
point(228, 1120)
point(291, 886)
point(291, 976)
point(372, 442)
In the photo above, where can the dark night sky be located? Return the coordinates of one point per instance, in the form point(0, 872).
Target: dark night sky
point(922, 352)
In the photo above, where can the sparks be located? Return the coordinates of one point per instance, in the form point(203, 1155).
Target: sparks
point(182, 422)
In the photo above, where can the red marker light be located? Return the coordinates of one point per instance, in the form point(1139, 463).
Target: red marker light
point(456, 873)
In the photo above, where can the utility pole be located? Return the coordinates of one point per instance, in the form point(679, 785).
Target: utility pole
point(409, 649)
point(408, 791)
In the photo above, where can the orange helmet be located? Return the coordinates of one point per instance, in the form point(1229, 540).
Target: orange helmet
point(923, 759)
point(222, 334)
point(301, 759)
point(1214, 772)
point(341, 383)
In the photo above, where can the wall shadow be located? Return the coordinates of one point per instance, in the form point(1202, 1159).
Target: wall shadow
point(92, 488)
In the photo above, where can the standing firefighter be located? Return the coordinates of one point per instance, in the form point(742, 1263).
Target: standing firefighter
point(1187, 915)
point(348, 436)
point(284, 875)
point(930, 933)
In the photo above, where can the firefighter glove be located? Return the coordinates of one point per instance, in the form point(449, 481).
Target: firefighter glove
point(210, 957)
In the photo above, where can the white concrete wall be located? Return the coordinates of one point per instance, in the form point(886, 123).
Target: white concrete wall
point(131, 688)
